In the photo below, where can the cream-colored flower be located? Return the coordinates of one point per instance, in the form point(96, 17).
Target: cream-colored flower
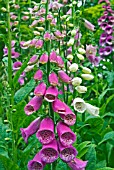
point(87, 76)
point(80, 56)
point(86, 70)
point(70, 57)
point(70, 42)
point(73, 67)
point(81, 51)
point(79, 105)
point(93, 110)
point(76, 81)
point(40, 28)
point(73, 32)
point(81, 89)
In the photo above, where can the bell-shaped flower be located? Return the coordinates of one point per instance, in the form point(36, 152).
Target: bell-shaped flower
point(87, 76)
point(91, 50)
point(93, 110)
point(80, 56)
point(40, 89)
point(51, 94)
point(53, 57)
point(70, 57)
point(36, 163)
point(29, 68)
point(43, 59)
point(60, 62)
point(45, 133)
point(31, 129)
point(73, 67)
point(81, 50)
point(89, 25)
point(17, 65)
point(81, 89)
point(64, 77)
point(76, 81)
point(67, 153)
point(53, 79)
point(33, 105)
point(58, 106)
point(109, 30)
point(39, 44)
point(49, 152)
point(77, 164)
point(107, 50)
point(38, 75)
point(65, 134)
point(33, 60)
point(79, 105)
point(47, 36)
point(86, 70)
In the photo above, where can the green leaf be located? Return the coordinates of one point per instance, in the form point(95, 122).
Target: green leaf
point(23, 92)
point(107, 137)
point(101, 164)
point(105, 168)
point(82, 145)
point(91, 157)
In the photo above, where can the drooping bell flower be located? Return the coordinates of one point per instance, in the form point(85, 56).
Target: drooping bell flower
point(40, 89)
point(93, 110)
point(97, 61)
point(107, 1)
point(49, 152)
point(101, 51)
point(25, 18)
point(36, 163)
point(21, 81)
point(58, 106)
point(91, 50)
point(33, 60)
point(64, 77)
point(51, 94)
point(103, 25)
point(109, 30)
point(39, 44)
point(73, 67)
point(79, 105)
point(47, 36)
point(102, 42)
point(60, 62)
point(89, 25)
point(17, 65)
point(49, 17)
point(33, 42)
point(43, 59)
point(58, 34)
point(34, 23)
point(29, 68)
point(109, 40)
point(67, 153)
point(38, 75)
point(14, 54)
point(53, 79)
point(81, 89)
point(41, 20)
point(33, 105)
point(77, 164)
point(53, 57)
point(45, 133)
point(76, 81)
point(22, 45)
point(54, 5)
point(65, 134)
point(107, 50)
point(87, 76)
point(53, 22)
point(31, 129)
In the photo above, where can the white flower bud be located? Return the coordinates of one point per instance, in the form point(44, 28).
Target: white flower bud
point(70, 25)
point(40, 28)
point(76, 81)
point(73, 32)
point(70, 42)
point(26, 43)
point(81, 89)
point(86, 70)
point(87, 76)
point(73, 67)
point(36, 33)
point(81, 51)
point(3, 9)
point(93, 110)
point(70, 57)
point(79, 105)
point(80, 56)
point(29, 68)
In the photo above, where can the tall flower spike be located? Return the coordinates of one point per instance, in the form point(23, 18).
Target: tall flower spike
point(77, 164)
point(31, 129)
point(67, 153)
point(45, 133)
point(53, 79)
point(40, 89)
point(38, 75)
point(51, 94)
point(66, 136)
point(64, 77)
point(49, 152)
point(36, 163)
point(34, 104)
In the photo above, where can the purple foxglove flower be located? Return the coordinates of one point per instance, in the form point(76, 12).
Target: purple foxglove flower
point(91, 50)
point(25, 18)
point(13, 17)
point(36, 163)
point(67, 153)
point(77, 164)
point(49, 152)
point(103, 18)
point(60, 62)
point(101, 51)
point(111, 18)
point(100, 21)
point(17, 65)
point(21, 81)
point(69, 12)
point(31, 129)
point(91, 58)
point(33, 42)
point(14, 54)
point(66, 136)
point(39, 44)
point(64, 77)
point(51, 94)
point(40, 89)
point(33, 105)
point(41, 20)
point(58, 106)
point(58, 34)
point(33, 60)
point(102, 42)
point(107, 50)
point(34, 23)
point(103, 36)
point(107, 1)
point(49, 17)
point(53, 22)
point(47, 36)
point(22, 45)
point(43, 58)
point(55, 5)
point(110, 24)
point(45, 133)
point(69, 50)
point(109, 40)
point(5, 49)
point(89, 25)
point(109, 30)
point(53, 57)
point(38, 75)
point(103, 25)
point(53, 79)
point(97, 61)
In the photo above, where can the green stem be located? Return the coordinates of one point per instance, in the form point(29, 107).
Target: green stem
point(83, 117)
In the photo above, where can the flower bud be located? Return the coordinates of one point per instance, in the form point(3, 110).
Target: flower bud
point(3, 9)
point(40, 28)
point(70, 25)
point(92, 109)
point(36, 33)
point(70, 42)
point(73, 32)
point(81, 51)
point(87, 76)
point(70, 57)
point(86, 70)
point(79, 105)
point(80, 56)
point(81, 89)
point(73, 67)
point(76, 81)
